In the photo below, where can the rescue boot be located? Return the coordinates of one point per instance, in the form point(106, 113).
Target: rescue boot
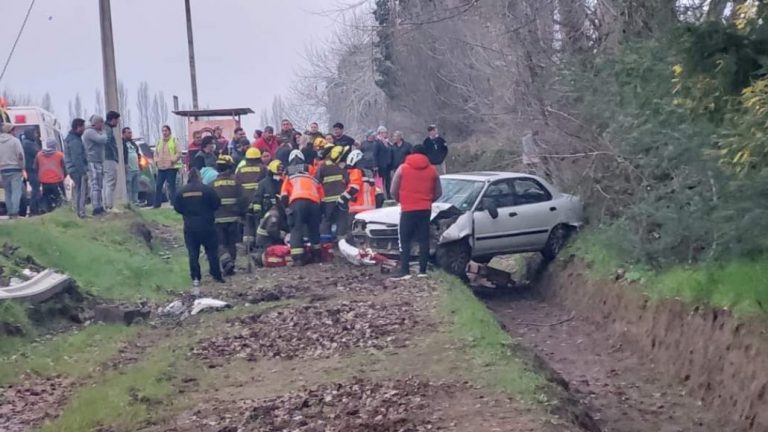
point(298, 260)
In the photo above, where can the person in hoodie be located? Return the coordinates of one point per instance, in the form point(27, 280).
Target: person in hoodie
point(95, 140)
point(11, 166)
point(111, 159)
point(30, 142)
point(51, 171)
point(416, 185)
point(77, 165)
point(436, 148)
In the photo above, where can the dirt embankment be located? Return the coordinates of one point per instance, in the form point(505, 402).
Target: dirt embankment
point(720, 360)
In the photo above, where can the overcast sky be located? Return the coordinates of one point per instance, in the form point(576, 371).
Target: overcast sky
point(246, 50)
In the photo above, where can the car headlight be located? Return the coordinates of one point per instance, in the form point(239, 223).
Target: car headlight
point(358, 225)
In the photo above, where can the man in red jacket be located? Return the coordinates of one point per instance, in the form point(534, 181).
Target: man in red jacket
point(268, 143)
point(415, 186)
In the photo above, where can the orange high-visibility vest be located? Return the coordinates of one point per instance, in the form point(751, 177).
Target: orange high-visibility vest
point(364, 183)
point(302, 186)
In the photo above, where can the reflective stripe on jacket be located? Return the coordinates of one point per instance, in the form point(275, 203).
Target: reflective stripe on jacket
point(331, 176)
point(250, 175)
point(361, 190)
point(302, 186)
point(231, 194)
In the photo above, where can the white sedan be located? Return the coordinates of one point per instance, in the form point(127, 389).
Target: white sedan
point(480, 215)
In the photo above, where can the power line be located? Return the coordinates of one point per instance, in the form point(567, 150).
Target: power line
point(18, 36)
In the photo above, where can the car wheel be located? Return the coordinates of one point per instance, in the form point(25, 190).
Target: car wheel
point(454, 257)
point(555, 242)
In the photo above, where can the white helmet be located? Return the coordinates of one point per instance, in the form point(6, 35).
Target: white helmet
point(354, 157)
point(295, 154)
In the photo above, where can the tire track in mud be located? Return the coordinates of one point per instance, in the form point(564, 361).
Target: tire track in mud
point(615, 383)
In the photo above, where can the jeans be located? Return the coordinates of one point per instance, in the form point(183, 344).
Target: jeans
point(12, 184)
point(79, 193)
point(36, 194)
point(132, 186)
point(96, 179)
point(52, 197)
point(163, 177)
point(414, 226)
point(110, 183)
point(207, 239)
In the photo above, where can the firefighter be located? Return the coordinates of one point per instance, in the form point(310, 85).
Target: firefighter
point(361, 192)
point(228, 216)
point(301, 195)
point(331, 176)
point(264, 202)
point(249, 174)
point(198, 203)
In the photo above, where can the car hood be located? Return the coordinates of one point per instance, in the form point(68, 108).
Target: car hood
point(391, 215)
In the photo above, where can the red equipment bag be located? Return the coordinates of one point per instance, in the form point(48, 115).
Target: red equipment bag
point(277, 256)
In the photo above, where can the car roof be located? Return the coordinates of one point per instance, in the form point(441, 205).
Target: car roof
point(487, 175)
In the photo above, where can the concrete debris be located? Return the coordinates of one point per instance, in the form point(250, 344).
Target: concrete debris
point(202, 304)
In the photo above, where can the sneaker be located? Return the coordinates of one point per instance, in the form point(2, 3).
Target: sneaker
point(422, 275)
point(196, 288)
point(401, 277)
point(220, 280)
point(98, 211)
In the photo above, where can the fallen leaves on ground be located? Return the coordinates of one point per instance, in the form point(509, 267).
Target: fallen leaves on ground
point(313, 330)
point(29, 403)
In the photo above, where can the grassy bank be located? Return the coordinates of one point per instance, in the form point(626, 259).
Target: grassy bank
point(102, 255)
point(740, 285)
point(490, 347)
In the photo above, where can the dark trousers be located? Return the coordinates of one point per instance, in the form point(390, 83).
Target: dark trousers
point(52, 196)
point(165, 176)
point(228, 234)
point(306, 219)
point(330, 216)
point(249, 229)
point(208, 240)
point(386, 177)
point(414, 226)
point(35, 194)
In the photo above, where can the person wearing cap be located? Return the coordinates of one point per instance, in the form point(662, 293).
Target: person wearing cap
point(249, 174)
point(229, 215)
point(110, 160)
point(415, 185)
point(302, 194)
point(205, 157)
point(331, 176)
point(77, 165)
point(268, 143)
point(95, 139)
point(198, 204)
point(51, 171)
point(11, 168)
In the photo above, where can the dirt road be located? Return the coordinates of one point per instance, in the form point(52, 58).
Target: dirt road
point(618, 386)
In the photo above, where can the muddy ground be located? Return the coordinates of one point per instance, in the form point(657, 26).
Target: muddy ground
point(342, 350)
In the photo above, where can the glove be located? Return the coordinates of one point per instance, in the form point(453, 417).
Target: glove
point(342, 205)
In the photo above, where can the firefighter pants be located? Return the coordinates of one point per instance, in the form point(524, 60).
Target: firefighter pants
point(330, 216)
point(228, 234)
point(206, 238)
point(249, 229)
point(306, 218)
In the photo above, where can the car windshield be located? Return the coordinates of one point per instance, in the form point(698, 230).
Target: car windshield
point(460, 193)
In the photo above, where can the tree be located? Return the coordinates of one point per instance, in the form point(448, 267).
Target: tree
point(79, 107)
point(278, 111)
point(122, 103)
point(264, 118)
point(99, 107)
point(158, 115)
point(143, 107)
point(47, 104)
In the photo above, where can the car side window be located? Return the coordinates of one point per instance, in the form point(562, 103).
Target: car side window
point(502, 193)
point(529, 191)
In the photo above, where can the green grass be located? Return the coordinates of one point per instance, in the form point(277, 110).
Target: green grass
point(124, 400)
point(740, 285)
point(72, 354)
point(165, 216)
point(489, 346)
point(100, 254)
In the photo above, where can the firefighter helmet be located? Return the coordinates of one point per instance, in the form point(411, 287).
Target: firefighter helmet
point(253, 153)
point(336, 153)
point(354, 157)
point(296, 156)
point(275, 167)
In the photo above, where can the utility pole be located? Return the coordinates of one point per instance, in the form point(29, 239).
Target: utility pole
point(110, 92)
point(191, 47)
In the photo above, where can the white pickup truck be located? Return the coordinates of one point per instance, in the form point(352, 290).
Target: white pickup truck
point(480, 215)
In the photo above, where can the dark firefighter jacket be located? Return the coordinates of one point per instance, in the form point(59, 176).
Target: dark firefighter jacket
point(269, 231)
point(332, 177)
point(250, 174)
point(233, 198)
point(267, 193)
point(197, 203)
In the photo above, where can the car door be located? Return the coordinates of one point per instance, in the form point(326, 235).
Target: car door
point(535, 213)
point(525, 216)
point(493, 235)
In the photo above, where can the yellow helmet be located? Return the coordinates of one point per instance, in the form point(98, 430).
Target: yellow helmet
point(275, 167)
point(225, 160)
point(319, 143)
point(336, 153)
point(253, 153)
